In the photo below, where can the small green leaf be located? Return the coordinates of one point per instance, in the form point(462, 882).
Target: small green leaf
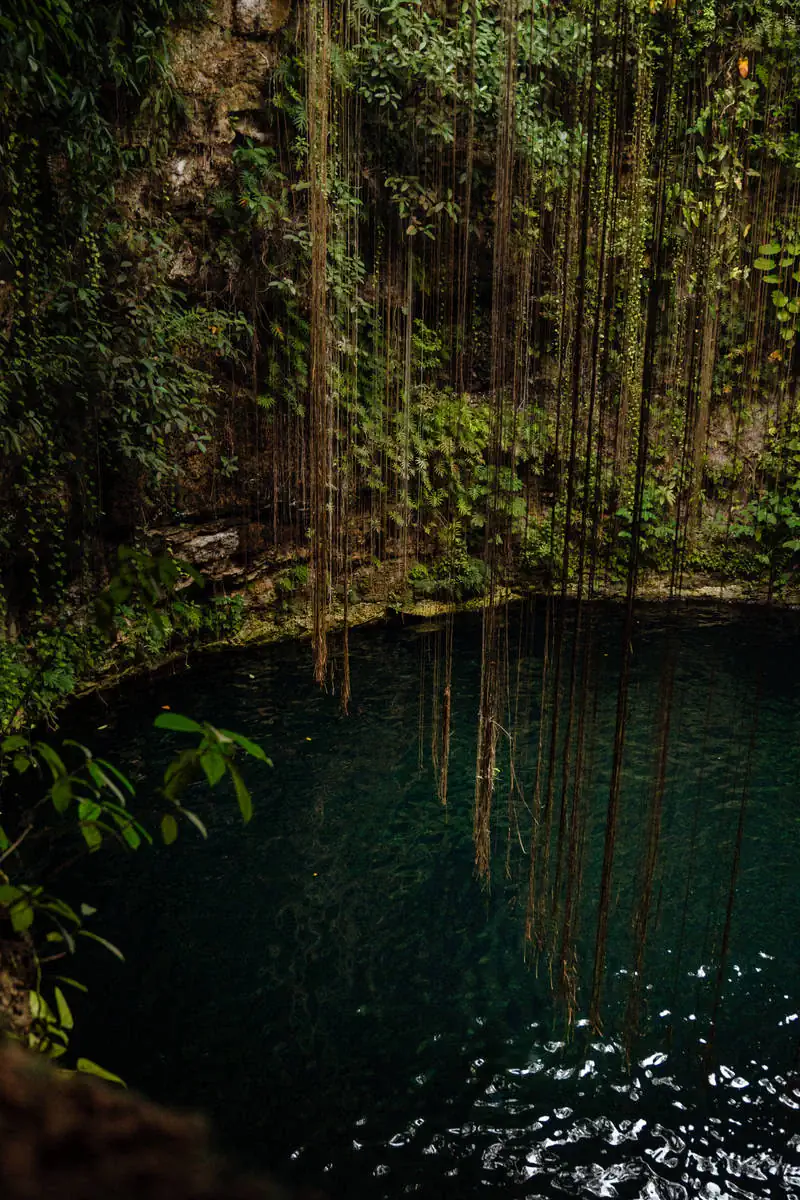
point(112, 949)
point(91, 835)
point(4, 839)
point(126, 783)
point(198, 824)
point(175, 721)
point(251, 747)
point(771, 279)
point(242, 794)
point(101, 780)
point(79, 745)
point(62, 909)
point(779, 299)
point(81, 987)
point(87, 1067)
point(169, 829)
point(87, 910)
point(64, 1014)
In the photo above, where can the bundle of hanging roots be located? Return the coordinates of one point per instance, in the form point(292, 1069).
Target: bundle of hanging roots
point(69, 1137)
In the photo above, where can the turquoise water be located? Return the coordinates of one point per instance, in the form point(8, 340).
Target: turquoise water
point(334, 987)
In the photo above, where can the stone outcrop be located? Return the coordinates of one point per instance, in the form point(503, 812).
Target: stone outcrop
point(260, 16)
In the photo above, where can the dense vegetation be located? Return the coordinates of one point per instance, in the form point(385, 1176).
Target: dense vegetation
point(547, 230)
point(496, 291)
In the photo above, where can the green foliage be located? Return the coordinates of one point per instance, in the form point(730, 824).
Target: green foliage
point(288, 583)
point(780, 267)
point(536, 551)
point(108, 370)
point(411, 68)
point(60, 793)
point(222, 618)
point(456, 576)
point(213, 757)
point(448, 443)
point(656, 525)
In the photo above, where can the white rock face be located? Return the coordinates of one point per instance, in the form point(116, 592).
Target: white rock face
point(259, 16)
point(211, 547)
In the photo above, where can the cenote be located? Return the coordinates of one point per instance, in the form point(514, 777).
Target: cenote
point(358, 1012)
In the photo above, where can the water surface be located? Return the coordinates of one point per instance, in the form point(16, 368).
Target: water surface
point(353, 1009)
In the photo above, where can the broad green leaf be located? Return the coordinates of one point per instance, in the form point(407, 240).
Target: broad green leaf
point(213, 763)
point(242, 794)
point(40, 1009)
point(779, 299)
point(15, 742)
point(87, 1067)
point(21, 762)
point(770, 248)
point(61, 793)
point(251, 747)
point(103, 942)
point(771, 279)
point(169, 828)
point(92, 836)
point(64, 1014)
point(786, 261)
point(764, 264)
point(21, 917)
point(89, 810)
point(88, 814)
point(131, 836)
point(175, 721)
point(52, 759)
